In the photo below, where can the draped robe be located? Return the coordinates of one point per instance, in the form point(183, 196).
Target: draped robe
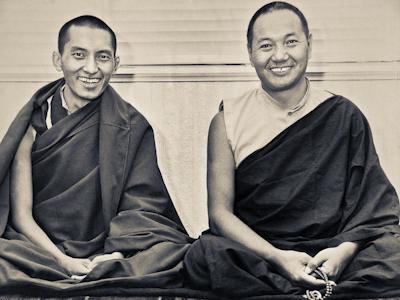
point(97, 189)
point(315, 185)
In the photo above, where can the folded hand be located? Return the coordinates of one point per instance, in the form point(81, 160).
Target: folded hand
point(75, 266)
point(292, 264)
point(105, 257)
point(332, 261)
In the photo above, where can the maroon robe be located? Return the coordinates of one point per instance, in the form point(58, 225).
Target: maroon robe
point(317, 184)
point(97, 189)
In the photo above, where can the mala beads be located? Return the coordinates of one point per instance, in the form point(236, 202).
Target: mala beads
point(316, 295)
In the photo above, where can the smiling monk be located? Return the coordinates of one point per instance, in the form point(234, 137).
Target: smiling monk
point(297, 198)
point(83, 207)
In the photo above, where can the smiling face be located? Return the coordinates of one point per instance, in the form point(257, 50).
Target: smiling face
point(279, 50)
point(88, 62)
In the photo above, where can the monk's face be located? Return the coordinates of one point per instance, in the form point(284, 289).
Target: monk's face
point(279, 50)
point(87, 61)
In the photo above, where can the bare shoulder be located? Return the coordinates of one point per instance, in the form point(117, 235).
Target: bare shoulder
point(217, 125)
point(217, 136)
point(219, 149)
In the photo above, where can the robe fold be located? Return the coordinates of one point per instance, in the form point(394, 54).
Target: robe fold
point(315, 185)
point(97, 189)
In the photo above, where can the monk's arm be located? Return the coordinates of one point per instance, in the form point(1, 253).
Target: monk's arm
point(334, 260)
point(21, 191)
point(220, 184)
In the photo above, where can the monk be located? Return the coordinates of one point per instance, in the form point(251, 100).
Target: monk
point(83, 206)
point(298, 202)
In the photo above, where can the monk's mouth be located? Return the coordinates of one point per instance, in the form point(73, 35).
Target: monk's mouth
point(281, 70)
point(89, 82)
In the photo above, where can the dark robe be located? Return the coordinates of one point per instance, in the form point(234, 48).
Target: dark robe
point(97, 189)
point(315, 185)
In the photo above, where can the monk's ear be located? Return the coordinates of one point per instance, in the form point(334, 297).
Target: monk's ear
point(116, 63)
point(57, 61)
point(310, 42)
point(249, 51)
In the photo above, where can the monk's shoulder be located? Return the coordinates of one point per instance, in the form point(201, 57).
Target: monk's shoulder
point(133, 116)
point(347, 113)
point(343, 103)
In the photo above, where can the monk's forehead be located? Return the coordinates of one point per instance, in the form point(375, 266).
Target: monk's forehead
point(277, 24)
point(89, 37)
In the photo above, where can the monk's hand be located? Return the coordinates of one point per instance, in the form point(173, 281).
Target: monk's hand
point(75, 266)
point(105, 257)
point(292, 264)
point(332, 261)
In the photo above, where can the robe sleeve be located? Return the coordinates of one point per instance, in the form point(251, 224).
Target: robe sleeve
point(146, 216)
point(371, 206)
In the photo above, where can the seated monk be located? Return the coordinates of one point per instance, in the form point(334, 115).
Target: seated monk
point(298, 202)
point(83, 206)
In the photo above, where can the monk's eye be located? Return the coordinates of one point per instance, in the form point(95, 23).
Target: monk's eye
point(104, 57)
point(266, 46)
point(78, 55)
point(292, 43)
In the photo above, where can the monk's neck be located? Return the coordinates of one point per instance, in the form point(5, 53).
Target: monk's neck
point(291, 97)
point(73, 101)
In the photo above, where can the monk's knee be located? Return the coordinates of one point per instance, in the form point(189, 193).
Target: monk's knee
point(195, 267)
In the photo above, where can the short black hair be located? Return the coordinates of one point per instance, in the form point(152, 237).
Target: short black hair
point(277, 5)
point(85, 20)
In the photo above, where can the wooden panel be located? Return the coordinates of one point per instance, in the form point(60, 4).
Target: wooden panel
point(198, 32)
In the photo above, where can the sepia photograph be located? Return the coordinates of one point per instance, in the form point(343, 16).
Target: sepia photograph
point(200, 149)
